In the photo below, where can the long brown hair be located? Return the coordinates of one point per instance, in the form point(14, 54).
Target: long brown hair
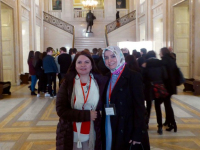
point(165, 51)
point(30, 55)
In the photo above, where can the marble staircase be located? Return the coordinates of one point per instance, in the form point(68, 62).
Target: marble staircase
point(82, 43)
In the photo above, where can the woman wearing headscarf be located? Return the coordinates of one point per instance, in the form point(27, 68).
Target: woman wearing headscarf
point(79, 105)
point(124, 105)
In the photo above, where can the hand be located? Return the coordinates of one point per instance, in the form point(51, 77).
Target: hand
point(93, 115)
point(134, 142)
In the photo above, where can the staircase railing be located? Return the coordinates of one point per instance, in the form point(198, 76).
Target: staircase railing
point(59, 24)
point(121, 21)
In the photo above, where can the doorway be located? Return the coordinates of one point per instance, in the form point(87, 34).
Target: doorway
point(181, 36)
point(8, 51)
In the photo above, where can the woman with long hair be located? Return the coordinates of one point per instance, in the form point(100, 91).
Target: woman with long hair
point(32, 71)
point(124, 105)
point(79, 105)
point(132, 63)
point(169, 61)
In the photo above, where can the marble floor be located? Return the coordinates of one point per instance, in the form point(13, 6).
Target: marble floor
point(29, 123)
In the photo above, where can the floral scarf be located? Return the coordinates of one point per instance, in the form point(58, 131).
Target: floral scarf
point(120, 58)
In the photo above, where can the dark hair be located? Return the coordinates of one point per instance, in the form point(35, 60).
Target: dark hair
point(134, 53)
point(138, 55)
point(49, 49)
point(63, 49)
point(70, 51)
point(143, 50)
point(87, 50)
point(36, 57)
point(44, 54)
point(74, 50)
point(100, 53)
point(72, 69)
point(94, 50)
point(150, 54)
point(165, 51)
point(132, 63)
point(30, 55)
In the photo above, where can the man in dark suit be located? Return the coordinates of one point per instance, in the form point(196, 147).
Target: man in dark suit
point(64, 60)
point(89, 18)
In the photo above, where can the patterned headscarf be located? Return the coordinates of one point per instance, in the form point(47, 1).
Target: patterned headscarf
point(119, 55)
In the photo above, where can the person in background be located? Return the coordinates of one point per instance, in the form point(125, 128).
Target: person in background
point(50, 68)
point(172, 52)
point(79, 105)
point(132, 63)
point(32, 71)
point(154, 73)
point(134, 53)
point(39, 72)
point(142, 59)
point(125, 51)
point(95, 56)
point(64, 61)
point(74, 51)
point(125, 124)
point(138, 55)
point(169, 61)
point(58, 66)
point(45, 76)
point(101, 65)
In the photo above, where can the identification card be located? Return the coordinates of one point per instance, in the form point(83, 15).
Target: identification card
point(110, 109)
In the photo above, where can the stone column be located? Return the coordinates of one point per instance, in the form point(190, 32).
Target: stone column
point(110, 10)
point(42, 26)
point(67, 10)
point(1, 54)
point(32, 24)
point(20, 37)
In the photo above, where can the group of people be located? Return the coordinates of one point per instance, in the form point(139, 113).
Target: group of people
point(44, 67)
point(101, 99)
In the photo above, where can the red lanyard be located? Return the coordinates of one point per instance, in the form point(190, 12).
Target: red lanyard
point(85, 98)
point(115, 83)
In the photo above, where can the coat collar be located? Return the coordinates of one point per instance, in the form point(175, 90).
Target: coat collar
point(122, 80)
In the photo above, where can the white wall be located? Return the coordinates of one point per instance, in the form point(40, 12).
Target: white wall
point(124, 33)
point(56, 38)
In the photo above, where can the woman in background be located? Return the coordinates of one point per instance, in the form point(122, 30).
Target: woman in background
point(32, 71)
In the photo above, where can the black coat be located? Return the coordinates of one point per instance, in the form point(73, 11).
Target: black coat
point(128, 123)
point(171, 67)
point(67, 115)
point(65, 61)
point(154, 72)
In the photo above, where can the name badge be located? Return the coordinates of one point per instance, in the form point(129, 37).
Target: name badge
point(110, 109)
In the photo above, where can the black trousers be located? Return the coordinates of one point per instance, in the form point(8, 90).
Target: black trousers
point(51, 77)
point(42, 83)
point(168, 110)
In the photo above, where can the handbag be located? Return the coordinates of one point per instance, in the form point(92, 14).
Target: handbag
point(159, 90)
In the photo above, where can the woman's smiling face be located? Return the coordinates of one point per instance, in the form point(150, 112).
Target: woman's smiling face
point(110, 60)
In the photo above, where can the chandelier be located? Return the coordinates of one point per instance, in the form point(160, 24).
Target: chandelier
point(89, 3)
